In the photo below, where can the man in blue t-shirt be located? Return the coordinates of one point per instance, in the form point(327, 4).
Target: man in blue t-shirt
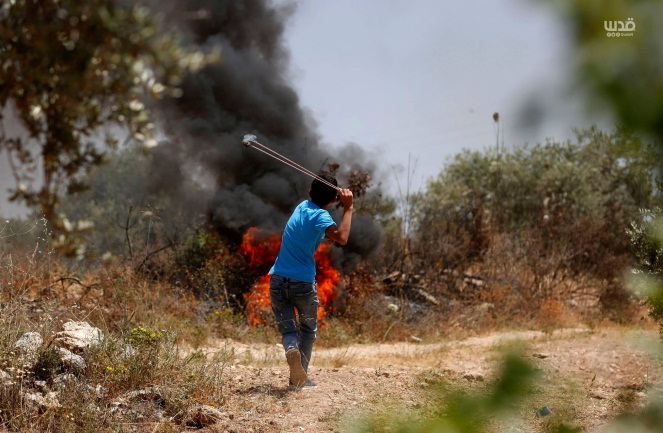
point(292, 285)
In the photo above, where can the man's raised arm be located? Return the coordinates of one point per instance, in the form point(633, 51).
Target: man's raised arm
point(340, 233)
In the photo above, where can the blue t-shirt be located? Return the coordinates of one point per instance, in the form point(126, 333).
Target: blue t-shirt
point(301, 238)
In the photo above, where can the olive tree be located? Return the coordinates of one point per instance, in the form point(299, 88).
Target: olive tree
point(562, 208)
point(75, 80)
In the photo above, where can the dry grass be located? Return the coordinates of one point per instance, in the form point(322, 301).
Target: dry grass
point(158, 318)
point(337, 358)
point(145, 361)
point(143, 321)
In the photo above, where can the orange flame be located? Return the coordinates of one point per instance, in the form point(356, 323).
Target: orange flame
point(261, 249)
point(327, 278)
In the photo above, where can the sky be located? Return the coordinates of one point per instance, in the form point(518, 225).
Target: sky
point(419, 80)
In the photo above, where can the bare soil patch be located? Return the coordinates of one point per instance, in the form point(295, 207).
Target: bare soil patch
point(587, 378)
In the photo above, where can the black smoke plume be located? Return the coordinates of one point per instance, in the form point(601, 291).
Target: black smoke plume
point(249, 92)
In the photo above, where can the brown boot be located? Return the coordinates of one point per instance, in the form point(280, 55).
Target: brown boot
point(298, 376)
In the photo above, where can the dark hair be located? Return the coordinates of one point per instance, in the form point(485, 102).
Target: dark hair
point(322, 194)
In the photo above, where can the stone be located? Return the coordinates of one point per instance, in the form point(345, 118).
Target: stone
point(78, 336)
point(5, 380)
point(202, 415)
point(29, 343)
point(71, 361)
point(28, 348)
point(474, 377)
point(150, 393)
point(40, 402)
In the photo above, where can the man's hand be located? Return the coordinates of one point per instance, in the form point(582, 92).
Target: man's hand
point(341, 233)
point(346, 197)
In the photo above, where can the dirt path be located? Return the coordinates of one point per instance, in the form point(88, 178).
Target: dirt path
point(587, 377)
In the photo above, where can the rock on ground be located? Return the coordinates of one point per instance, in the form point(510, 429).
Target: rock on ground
point(78, 336)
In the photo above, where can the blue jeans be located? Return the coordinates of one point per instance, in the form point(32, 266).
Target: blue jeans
point(288, 296)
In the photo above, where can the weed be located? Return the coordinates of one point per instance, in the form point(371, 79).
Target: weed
point(338, 358)
point(262, 358)
point(225, 322)
point(48, 365)
point(335, 333)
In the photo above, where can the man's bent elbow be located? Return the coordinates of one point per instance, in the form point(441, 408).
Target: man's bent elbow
point(339, 238)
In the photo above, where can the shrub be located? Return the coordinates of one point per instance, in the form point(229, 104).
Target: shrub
point(647, 243)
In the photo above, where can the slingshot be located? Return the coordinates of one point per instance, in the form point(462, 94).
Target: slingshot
point(250, 140)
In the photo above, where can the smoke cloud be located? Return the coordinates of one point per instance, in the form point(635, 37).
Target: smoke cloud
point(249, 92)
